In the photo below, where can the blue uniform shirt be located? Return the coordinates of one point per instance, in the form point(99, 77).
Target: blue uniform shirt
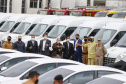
point(19, 46)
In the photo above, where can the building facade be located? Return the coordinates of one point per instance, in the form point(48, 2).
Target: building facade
point(32, 6)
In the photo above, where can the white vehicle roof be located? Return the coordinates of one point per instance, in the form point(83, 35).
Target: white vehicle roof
point(32, 19)
point(51, 21)
point(52, 60)
point(80, 68)
point(70, 22)
point(93, 24)
point(15, 55)
point(121, 77)
point(7, 50)
point(116, 26)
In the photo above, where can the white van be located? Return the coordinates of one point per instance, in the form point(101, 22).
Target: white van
point(11, 24)
point(45, 25)
point(116, 52)
point(88, 28)
point(111, 33)
point(24, 28)
point(62, 29)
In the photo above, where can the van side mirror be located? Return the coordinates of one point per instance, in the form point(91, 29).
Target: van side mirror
point(63, 37)
point(3, 68)
point(113, 42)
point(27, 32)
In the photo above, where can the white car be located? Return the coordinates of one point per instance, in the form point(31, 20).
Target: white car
point(20, 72)
point(10, 59)
point(77, 74)
point(110, 79)
point(4, 51)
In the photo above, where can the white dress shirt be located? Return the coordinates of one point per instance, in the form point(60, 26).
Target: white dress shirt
point(44, 44)
point(75, 45)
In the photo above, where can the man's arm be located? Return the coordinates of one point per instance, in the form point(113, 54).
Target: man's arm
point(49, 45)
point(39, 48)
point(36, 47)
point(4, 45)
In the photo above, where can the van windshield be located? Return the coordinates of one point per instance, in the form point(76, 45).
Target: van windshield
point(56, 31)
point(7, 26)
point(21, 28)
point(38, 30)
point(101, 14)
point(82, 31)
point(118, 15)
point(122, 42)
point(105, 35)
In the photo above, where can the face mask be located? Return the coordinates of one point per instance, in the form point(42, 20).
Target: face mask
point(19, 39)
point(68, 40)
point(45, 37)
point(32, 39)
point(77, 38)
point(36, 82)
point(9, 39)
point(58, 41)
point(85, 39)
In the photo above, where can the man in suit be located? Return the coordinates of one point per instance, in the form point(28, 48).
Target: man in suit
point(44, 45)
point(77, 49)
point(68, 49)
point(32, 46)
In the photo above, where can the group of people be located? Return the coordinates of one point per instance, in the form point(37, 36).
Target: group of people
point(34, 75)
point(92, 53)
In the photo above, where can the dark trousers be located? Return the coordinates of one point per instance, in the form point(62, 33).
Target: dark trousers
point(78, 57)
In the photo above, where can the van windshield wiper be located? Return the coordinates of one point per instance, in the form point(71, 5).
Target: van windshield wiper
point(121, 46)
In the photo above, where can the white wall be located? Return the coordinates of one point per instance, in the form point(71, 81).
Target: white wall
point(68, 3)
point(55, 3)
point(16, 6)
point(81, 3)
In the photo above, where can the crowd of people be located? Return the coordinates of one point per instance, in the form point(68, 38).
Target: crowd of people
point(89, 52)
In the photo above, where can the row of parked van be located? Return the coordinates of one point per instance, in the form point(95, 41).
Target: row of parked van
point(111, 31)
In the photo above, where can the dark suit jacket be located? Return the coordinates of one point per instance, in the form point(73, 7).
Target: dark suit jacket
point(79, 48)
point(67, 51)
point(34, 47)
point(47, 51)
point(55, 49)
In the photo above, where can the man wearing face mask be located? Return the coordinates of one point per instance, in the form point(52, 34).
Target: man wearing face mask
point(57, 49)
point(68, 49)
point(91, 51)
point(100, 52)
point(78, 49)
point(19, 45)
point(33, 78)
point(8, 44)
point(85, 50)
point(44, 45)
point(32, 46)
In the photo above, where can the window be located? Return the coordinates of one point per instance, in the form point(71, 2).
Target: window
point(94, 32)
point(5, 52)
point(50, 28)
point(2, 23)
point(30, 28)
point(23, 6)
point(33, 3)
point(69, 31)
point(3, 6)
point(110, 15)
point(63, 64)
point(40, 4)
point(41, 69)
point(102, 73)
point(12, 62)
point(81, 78)
point(14, 27)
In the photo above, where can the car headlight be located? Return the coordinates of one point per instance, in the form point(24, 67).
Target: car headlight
point(120, 57)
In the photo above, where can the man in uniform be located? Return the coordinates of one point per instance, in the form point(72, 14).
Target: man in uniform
point(33, 78)
point(100, 52)
point(8, 44)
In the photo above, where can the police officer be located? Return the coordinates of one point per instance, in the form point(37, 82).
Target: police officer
point(85, 50)
point(100, 52)
point(91, 51)
point(8, 44)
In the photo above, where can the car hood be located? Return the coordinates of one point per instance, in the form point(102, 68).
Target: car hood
point(113, 52)
point(16, 81)
point(3, 79)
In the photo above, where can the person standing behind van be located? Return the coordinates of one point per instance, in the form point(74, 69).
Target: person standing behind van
point(100, 52)
point(44, 45)
point(77, 49)
point(32, 46)
point(8, 44)
point(19, 45)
